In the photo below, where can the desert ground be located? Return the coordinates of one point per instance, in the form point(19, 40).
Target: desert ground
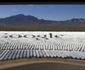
point(43, 64)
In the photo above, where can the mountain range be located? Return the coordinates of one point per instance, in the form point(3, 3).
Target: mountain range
point(21, 19)
point(29, 22)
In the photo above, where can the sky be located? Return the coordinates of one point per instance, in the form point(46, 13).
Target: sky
point(45, 11)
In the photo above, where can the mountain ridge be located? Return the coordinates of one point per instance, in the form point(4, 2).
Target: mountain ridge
point(29, 19)
point(22, 22)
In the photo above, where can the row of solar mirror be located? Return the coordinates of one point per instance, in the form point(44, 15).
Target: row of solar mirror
point(65, 47)
point(44, 47)
point(60, 46)
point(16, 54)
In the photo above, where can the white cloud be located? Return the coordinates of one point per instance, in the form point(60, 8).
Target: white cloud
point(31, 5)
point(14, 10)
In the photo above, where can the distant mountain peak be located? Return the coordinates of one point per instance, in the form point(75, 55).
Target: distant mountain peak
point(20, 15)
point(77, 19)
point(29, 19)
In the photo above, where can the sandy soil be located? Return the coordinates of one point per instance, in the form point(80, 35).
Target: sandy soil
point(43, 64)
point(47, 66)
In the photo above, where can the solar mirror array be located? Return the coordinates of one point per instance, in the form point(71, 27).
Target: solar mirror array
point(16, 45)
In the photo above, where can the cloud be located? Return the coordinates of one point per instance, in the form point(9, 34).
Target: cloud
point(30, 5)
point(15, 10)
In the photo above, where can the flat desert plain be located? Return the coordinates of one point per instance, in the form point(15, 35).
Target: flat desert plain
point(43, 64)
